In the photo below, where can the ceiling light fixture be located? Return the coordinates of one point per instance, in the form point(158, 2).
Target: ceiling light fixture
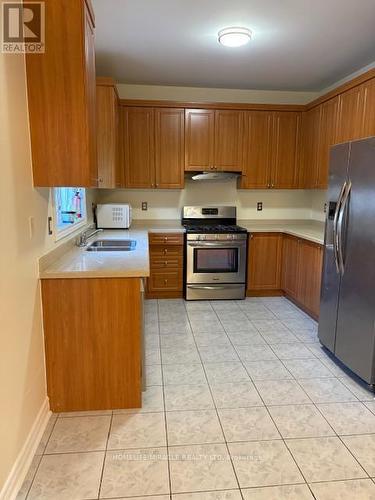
point(234, 37)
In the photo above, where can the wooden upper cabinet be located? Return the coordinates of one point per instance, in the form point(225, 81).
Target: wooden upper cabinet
point(257, 150)
point(350, 115)
point(327, 137)
point(61, 98)
point(199, 139)
point(289, 275)
point(286, 127)
point(169, 148)
point(138, 130)
point(264, 261)
point(308, 165)
point(368, 124)
point(107, 134)
point(228, 153)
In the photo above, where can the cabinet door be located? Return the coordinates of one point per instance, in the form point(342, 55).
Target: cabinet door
point(368, 125)
point(90, 82)
point(264, 261)
point(228, 140)
point(169, 148)
point(350, 115)
point(285, 138)
point(199, 139)
point(310, 260)
point(107, 135)
point(257, 154)
point(310, 126)
point(327, 137)
point(138, 129)
point(289, 276)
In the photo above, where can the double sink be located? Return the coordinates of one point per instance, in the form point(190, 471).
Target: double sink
point(111, 246)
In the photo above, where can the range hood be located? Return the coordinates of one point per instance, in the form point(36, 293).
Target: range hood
point(215, 176)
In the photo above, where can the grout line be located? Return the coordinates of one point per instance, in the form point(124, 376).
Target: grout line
point(105, 455)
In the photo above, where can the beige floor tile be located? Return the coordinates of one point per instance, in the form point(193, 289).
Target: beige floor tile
point(135, 473)
point(22, 494)
point(236, 395)
point(193, 427)
point(363, 448)
point(264, 463)
point(247, 424)
point(176, 339)
point(46, 434)
point(359, 489)
point(326, 390)
point(152, 402)
point(267, 370)
point(221, 373)
point(175, 355)
point(299, 421)
point(184, 374)
point(153, 497)
point(209, 339)
point(188, 397)
point(362, 392)
point(153, 375)
point(152, 357)
point(324, 459)
point(349, 418)
point(290, 492)
point(67, 477)
point(371, 406)
point(206, 326)
point(79, 434)
point(237, 325)
point(210, 495)
point(90, 413)
point(201, 468)
point(174, 324)
point(246, 338)
point(142, 430)
point(270, 325)
point(279, 337)
point(255, 353)
point(281, 392)
point(307, 368)
point(218, 354)
point(292, 350)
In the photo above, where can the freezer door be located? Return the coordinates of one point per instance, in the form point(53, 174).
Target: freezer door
point(339, 161)
point(355, 338)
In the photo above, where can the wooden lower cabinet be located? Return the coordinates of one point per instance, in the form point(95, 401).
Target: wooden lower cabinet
point(280, 264)
point(166, 265)
point(302, 263)
point(264, 263)
point(92, 329)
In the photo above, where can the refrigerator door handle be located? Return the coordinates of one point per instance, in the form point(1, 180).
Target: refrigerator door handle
point(335, 227)
point(340, 219)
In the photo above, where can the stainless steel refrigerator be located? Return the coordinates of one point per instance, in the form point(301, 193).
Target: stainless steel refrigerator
point(347, 310)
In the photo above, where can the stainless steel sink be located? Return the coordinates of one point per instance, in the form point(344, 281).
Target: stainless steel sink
point(112, 246)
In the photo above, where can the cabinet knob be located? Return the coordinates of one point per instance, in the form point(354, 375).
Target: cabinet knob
point(156, 185)
point(166, 262)
point(165, 238)
point(272, 185)
point(165, 250)
point(165, 282)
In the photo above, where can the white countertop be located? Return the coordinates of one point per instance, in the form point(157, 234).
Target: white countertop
point(77, 262)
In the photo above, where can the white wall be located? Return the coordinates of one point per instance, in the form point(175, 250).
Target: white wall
point(201, 94)
point(22, 371)
point(167, 204)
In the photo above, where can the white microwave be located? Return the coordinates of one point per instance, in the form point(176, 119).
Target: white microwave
point(114, 216)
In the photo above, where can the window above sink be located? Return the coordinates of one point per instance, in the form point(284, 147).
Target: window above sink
point(70, 213)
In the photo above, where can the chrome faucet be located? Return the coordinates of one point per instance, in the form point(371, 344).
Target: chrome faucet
point(83, 237)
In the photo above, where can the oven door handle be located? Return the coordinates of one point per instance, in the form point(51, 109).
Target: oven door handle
point(232, 243)
point(206, 287)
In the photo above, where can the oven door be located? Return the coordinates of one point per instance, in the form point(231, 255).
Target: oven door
point(216, 261)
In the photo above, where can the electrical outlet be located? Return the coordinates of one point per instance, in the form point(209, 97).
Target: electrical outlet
point(325, 208)
point(260, 206)
point(144, 205)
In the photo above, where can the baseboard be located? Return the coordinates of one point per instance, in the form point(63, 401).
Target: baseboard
point(21, 466)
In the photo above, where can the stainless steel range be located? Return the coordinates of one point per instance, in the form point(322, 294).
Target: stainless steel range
point(216, 254)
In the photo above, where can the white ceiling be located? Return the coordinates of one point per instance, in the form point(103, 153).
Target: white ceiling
point(297, 44)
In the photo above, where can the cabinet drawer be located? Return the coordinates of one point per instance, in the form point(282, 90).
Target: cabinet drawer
point(165, 281)
point(161, 252)
point(166, 262)
point(166, 238)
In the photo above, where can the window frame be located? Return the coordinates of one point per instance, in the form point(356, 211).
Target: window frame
point(60, 233)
